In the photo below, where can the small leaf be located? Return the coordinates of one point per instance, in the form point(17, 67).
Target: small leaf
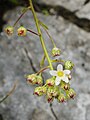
point(42, 61)
point(43, 25)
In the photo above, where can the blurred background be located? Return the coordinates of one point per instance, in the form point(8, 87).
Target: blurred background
point(69, 25)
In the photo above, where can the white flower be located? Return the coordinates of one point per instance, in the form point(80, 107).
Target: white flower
point(60, 74)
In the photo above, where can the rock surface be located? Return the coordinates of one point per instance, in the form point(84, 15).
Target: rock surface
point(84, 12)
point(69, 4)
point(75, 45)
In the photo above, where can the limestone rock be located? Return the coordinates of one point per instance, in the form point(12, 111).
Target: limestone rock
point(69, 4)
point(14, 65)
point(84, 12)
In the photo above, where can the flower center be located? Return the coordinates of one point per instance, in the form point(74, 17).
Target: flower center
point(21, 32)
point(60, 73)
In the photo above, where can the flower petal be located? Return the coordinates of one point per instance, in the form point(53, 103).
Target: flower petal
point(67, 72)
point(57, 81)
point(59, 67)
point(53, 72)
point(65, 79)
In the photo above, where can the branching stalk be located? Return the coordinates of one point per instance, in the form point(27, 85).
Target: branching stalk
point(43, 69)
point(39, 32)
point(21, 16)
point(32, 32)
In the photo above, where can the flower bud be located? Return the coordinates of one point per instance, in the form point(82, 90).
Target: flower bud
point(31, 79)
point(40, 90)
point(52, 91)
point(37, 91)
point(65, 86)
point(71, 94)
point(49, 98)
point(55, 91)
point(39, 80)
point(68, 65)
point(61, 98)
point(69, 77)
point(50, 82)
point(55, 51)
point(22, 31)
point(9, 30)
point(44, 89)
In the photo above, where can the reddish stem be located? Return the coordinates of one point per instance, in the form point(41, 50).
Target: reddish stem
point(19, 17)
point(32, 32)
point(42, 69)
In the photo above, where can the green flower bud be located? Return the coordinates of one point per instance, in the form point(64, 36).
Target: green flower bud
point(64, 85)
point(68, 65)
point(39, 80)
point(52, 91)
point(31, 79)
point(55, 92)
point(43, 89)
point(9, 30)
point(56, 51)
point(37, 91)
point(50, 82)
point(22, 31)
point(61, 98)
point(40, 90)
point(71, 93)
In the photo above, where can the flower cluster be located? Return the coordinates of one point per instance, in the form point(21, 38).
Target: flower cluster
point(56, 87)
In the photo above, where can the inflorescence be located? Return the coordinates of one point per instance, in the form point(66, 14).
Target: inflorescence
point(58, 85)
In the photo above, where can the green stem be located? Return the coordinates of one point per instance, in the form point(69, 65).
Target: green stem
point(42, 61)
point(40, 33)
point(58, 61)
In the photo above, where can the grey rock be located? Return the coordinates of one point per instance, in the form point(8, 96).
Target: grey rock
point(39, 114)
point(88, 112)
point(75, 45)
point(69, 4)
point(84, 12)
